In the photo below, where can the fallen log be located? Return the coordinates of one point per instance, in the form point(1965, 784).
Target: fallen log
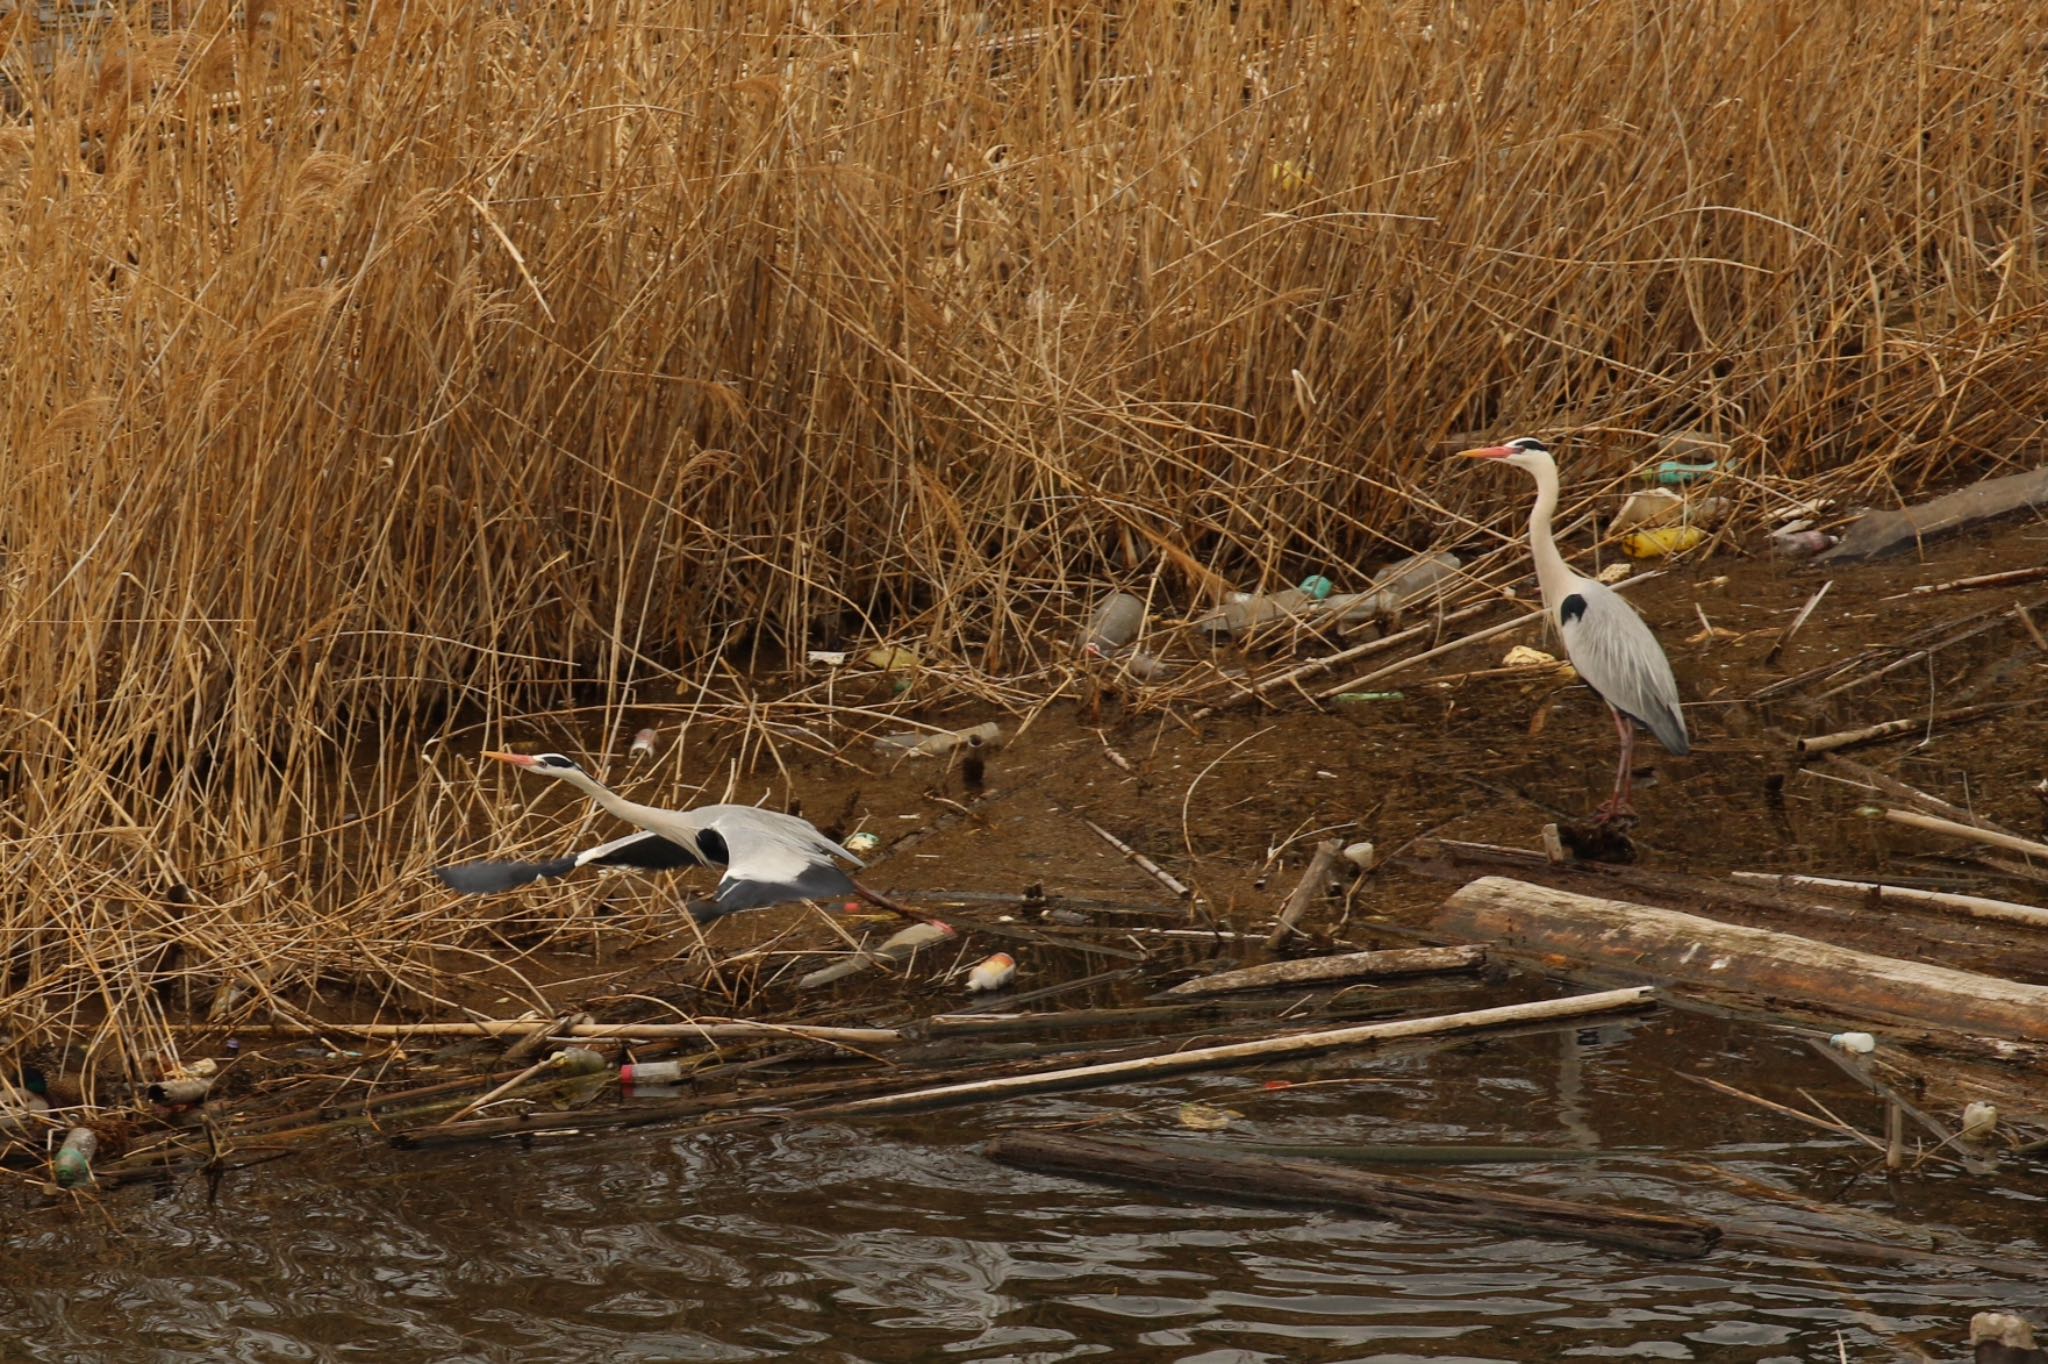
point(1688, 950)
point(1263, 1049)
point(1316, 1183)
point(1878, 534)
point(1406, 961)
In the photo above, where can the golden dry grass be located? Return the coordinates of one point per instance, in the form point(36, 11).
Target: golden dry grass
point(378, 363)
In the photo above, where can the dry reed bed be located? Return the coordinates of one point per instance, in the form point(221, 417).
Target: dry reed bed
point(372, 364)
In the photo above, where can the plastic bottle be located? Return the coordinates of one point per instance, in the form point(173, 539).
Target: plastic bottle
point(643, 744)
point(1652, 544)
point(577, 1061)
point(1244, 611)
point(651, 1073)
point(1116, 622)
point(73, 1161)
point(1417, 576)
point(1672, 471)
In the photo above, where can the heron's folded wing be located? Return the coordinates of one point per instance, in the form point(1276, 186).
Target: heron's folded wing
point(1618, 656)
point(641, 850)
point(769, 862)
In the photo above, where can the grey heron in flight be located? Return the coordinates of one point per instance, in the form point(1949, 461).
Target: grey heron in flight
point(1606, 640)
point(769, 858)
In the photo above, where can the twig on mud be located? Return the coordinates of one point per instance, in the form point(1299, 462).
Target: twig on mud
point(1892, 729)
point(1313, 881)
point(1143, 863)
point(1778, 646)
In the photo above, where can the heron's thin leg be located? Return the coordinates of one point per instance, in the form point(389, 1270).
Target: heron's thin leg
point(1620, 804)
point(877, 898)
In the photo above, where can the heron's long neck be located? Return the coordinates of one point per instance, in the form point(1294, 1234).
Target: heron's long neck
point(1553, 577)
point(637, 815)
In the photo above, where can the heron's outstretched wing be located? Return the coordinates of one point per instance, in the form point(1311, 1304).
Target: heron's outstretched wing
point(770, 859)
point(1619, 658)
point(639, 850)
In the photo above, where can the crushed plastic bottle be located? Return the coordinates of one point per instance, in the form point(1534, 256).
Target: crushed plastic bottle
point(1416, 577)
point(1118, 619)
point(945, 741)
point(1243, 611)
point(576, 1061)
point(991, 973)
point(72, 1165)
point(1673, 471)
point(1654, 544)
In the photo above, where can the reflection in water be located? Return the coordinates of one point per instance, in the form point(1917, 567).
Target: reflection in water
point(896, 1242)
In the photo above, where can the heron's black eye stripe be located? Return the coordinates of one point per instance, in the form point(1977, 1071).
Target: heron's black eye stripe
point(1571, 609)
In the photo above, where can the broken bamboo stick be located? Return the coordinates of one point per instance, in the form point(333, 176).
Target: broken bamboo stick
point(1995, 838)
point(1264, 1049)
point(1144, 863)
point(1313, 880)
point(726, 1029)
point(1405, 961)
point(1976, 906)
point(1891, 729)
point(1406, 1198)
point(1617, 935)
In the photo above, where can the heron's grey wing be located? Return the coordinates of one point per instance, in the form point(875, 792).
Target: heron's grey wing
point(770, 859)
point(1620, 659)
point(640, 850)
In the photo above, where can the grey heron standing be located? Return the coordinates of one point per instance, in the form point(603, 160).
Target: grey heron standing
point(1607, 642)
point(769, 858)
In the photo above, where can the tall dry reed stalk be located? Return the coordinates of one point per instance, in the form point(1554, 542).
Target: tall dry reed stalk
point(370, 363)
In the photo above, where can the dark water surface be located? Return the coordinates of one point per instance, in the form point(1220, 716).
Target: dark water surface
point(893, 1240)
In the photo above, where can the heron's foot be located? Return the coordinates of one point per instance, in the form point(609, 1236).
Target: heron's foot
point(1598, 840)
point(1618, 812)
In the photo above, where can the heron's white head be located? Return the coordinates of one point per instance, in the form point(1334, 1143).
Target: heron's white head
point(1524, 452)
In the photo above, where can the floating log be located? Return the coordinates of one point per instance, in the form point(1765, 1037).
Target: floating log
point(1406, 961)
point(1264, 1049)
point(1687, 949)
point(1315, 880)
point(1403, 1198)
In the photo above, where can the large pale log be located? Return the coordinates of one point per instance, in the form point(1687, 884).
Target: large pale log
point(1686, 949)
point(1317, 1183)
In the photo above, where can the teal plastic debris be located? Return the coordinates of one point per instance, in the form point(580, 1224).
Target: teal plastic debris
point(1317, 586)
point(1675, 471)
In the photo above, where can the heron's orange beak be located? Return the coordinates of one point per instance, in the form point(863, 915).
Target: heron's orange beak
point(1488, 452)
point(516, 759)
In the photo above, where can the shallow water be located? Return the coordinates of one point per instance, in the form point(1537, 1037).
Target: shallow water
point(893, 1240)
